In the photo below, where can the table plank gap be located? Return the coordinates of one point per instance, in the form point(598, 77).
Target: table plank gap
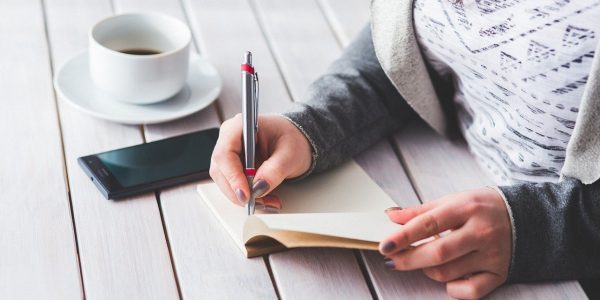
point(408, 172)
point(167, 238)
point(333, 24)
point(64, 156)
point(269, 42)
point(62, 147)
point(426, 154)
point(346, 17)
point(224, 41)
point(364, 270)
point(55, 100)
point(318, 273)
point(271, 275)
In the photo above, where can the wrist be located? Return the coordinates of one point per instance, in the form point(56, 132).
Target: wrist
point(312, 153)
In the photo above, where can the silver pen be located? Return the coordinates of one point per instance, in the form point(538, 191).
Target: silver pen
point(249, 123)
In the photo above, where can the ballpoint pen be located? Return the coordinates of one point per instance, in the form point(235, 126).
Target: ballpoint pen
point(249, 122)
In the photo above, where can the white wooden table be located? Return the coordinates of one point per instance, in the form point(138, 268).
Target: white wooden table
point(59, 239)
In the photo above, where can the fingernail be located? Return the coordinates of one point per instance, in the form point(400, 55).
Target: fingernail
point(388, 247)
point(388, 263)
point(387, 210)
point(240, 195)
point(259, 188)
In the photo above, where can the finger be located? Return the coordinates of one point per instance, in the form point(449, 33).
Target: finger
point(271, 172)
point(231, 168)
point(223, 184)
point(272, 201)
point(226, 157)
point(434, 253)
point(269, 204)
point(230, 135)
point(475, 286)
point(402, 216)
point(269, 201)
point(437, 220)
point(468, 264)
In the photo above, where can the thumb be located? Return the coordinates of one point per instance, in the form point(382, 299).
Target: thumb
point(269, 175)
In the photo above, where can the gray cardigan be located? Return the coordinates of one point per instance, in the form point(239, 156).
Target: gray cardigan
point(556, 226)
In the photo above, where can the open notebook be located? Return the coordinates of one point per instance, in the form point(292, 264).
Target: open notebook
point(340, 208)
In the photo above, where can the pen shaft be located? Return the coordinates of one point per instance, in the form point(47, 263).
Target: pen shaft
point(249, 115)
point(252, 201)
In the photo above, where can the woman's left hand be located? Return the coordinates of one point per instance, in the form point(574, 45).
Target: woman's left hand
point(473, 259)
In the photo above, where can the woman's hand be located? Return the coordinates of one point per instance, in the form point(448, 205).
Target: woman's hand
point(473, 259)
point(283, 152)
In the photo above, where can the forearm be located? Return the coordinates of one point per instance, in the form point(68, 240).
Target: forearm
point(556, 230)
point(351, 107)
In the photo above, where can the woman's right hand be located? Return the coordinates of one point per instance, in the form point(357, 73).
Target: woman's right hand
point(282, 152)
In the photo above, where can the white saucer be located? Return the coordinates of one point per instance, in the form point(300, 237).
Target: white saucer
point(74, 85)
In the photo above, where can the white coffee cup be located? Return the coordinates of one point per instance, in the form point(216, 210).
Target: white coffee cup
point(135, 78)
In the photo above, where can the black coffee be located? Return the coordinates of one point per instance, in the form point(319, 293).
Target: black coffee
point(140, 51)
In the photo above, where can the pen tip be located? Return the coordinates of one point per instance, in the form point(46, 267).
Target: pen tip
point(248, 58)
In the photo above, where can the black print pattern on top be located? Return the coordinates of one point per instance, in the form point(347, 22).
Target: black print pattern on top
point(491, 6)
point(520, 68)
point(538, 52)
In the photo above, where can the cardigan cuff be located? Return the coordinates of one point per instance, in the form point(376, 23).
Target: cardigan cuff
point(313, 147)
point(512, 228)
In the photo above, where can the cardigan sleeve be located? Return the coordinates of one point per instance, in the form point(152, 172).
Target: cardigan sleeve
point(556, 231)
point(349, 108)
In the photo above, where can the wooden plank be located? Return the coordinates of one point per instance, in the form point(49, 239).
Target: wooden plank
point(226, 29)
point(391, 284)
point(206, 260)
point(38, 255)
point(346, 17)
point(427, 159)
point(311, 48)
point(122, 246)
point(296, 31)
point(318, 273)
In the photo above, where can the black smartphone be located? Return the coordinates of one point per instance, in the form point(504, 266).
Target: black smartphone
point(152, 166)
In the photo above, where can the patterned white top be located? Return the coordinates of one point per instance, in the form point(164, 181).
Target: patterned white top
point(519, 69)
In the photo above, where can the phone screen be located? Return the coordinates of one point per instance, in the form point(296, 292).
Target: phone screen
point(156, 161)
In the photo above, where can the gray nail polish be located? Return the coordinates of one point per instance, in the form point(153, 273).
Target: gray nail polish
point(240, 195)
point(388, 247)
point(388, 263)
point(260, 188)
